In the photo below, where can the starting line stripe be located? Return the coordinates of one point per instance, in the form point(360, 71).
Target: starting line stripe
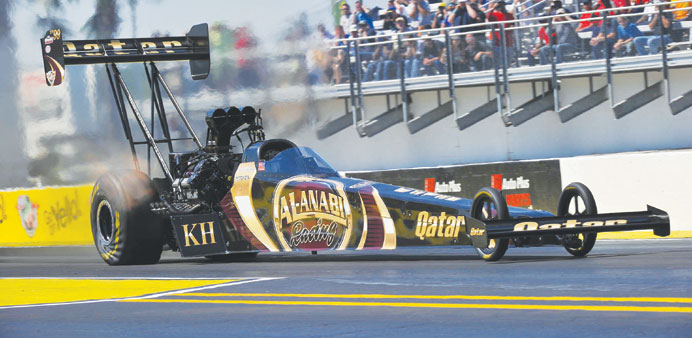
point(430, 305)
point(465, 297)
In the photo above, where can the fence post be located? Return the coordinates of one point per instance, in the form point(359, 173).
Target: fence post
point(606, 51)
point(664, 54)
point(402, 77)
point(505, 77)
point(350, 83)
point(359, 81)
point(553, 67)
point(450, 73)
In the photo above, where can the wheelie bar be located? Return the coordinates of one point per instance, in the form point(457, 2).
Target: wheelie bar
point(480, 232)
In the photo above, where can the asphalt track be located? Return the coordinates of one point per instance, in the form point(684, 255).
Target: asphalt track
point(623, 288)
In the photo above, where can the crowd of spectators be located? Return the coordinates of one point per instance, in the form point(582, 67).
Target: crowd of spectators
point(474, 48)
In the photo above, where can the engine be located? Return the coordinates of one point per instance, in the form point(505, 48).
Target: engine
point(203, 177)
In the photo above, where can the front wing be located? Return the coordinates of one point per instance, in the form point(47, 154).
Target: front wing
point(481, 232)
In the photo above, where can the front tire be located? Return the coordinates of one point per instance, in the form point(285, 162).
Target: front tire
point(576, 199)
point(125, 230)
point(489, 204)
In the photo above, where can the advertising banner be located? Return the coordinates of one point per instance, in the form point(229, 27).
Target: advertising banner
point(47, 216)
point(528, 184)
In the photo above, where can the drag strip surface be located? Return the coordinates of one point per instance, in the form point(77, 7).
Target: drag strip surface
point(633, 288)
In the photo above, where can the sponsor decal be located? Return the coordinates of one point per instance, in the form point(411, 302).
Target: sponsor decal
point(206, 234)
point(56, 33)
point(50, 77)
point(47, 49)
point(3, 213)
point(28, 214)
point(242, 178)
point(500, 183)
point(442, 226)
point(570, 223)
point(48, 39)
point(260, 166)
point(76, 49)
point(63, 213)
point(311, 213)
point(441, 187)
point(476, 232)
point(416, 192)
point(519, 200)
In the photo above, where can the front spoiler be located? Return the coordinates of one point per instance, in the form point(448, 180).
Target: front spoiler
point(481, 232)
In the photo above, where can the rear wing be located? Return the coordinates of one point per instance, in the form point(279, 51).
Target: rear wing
point(57, 53)
point(655, 219)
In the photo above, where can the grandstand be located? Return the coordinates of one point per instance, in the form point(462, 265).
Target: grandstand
point(378, 65)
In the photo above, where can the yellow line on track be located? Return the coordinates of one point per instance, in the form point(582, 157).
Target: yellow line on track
point(428, 305)
point(465, 297)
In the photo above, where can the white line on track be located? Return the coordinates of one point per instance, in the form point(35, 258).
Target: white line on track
point(155, 295)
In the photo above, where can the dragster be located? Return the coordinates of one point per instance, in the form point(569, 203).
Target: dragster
point(220, 199)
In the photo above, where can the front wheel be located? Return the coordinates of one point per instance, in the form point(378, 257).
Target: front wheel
point(125, 230)
point(489, 204)
point(576, 199)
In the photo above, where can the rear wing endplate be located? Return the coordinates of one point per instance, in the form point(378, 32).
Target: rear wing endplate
point(57, 53)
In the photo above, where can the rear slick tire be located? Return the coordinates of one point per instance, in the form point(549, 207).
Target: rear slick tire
point(489, 204)
point(575, 192)
point(125, 230)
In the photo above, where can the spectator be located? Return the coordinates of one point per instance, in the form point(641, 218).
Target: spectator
point(459, 62)
point(345, 20)
point(607, 35)
point(586, 22)
point(361, 15)
point(339, 34)
point(340, 66)
point(401, 26)
point(499, 13)
point(683, 12)
point(543, 39)
point(431, 57)
point(419, 13)
point(478, 54)
point(627, 31)
point(467, 13)
point(564, 41)
point(440, 16)
point(622, 3)
point(324, 34)
point(651, 44)
point(648, 13)
point(412, 63)
point(388, 20)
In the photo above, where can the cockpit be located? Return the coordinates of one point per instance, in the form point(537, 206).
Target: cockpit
point(295, 161)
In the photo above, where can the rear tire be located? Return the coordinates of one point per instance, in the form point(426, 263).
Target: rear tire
point(125, 230)
point(569, 204)
point(489, 204)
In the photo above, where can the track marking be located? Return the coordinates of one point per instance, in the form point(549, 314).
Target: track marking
point(446, 297)
point(430, 305)
point(44, 291)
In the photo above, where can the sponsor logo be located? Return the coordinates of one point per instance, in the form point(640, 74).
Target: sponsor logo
point(60, 215)
point(319, 232)
point(441, 187)
point(476, 232)
point(500, 183)
point(48, 39)
point(442, 226)
point(28, 214)
point(206, 231)
point(50, 77)
point(242, 178)
point(117, 47)
point(311, 214)
point(570, 223)
point(416, 192)
point(260, 166)
point(55, 33)
point(3, 213)
point(47, 49)
point(519, 200)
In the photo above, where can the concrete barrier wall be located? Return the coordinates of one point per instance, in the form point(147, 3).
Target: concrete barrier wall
point(619, 182)
point(630, 181)
point(45, 217)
